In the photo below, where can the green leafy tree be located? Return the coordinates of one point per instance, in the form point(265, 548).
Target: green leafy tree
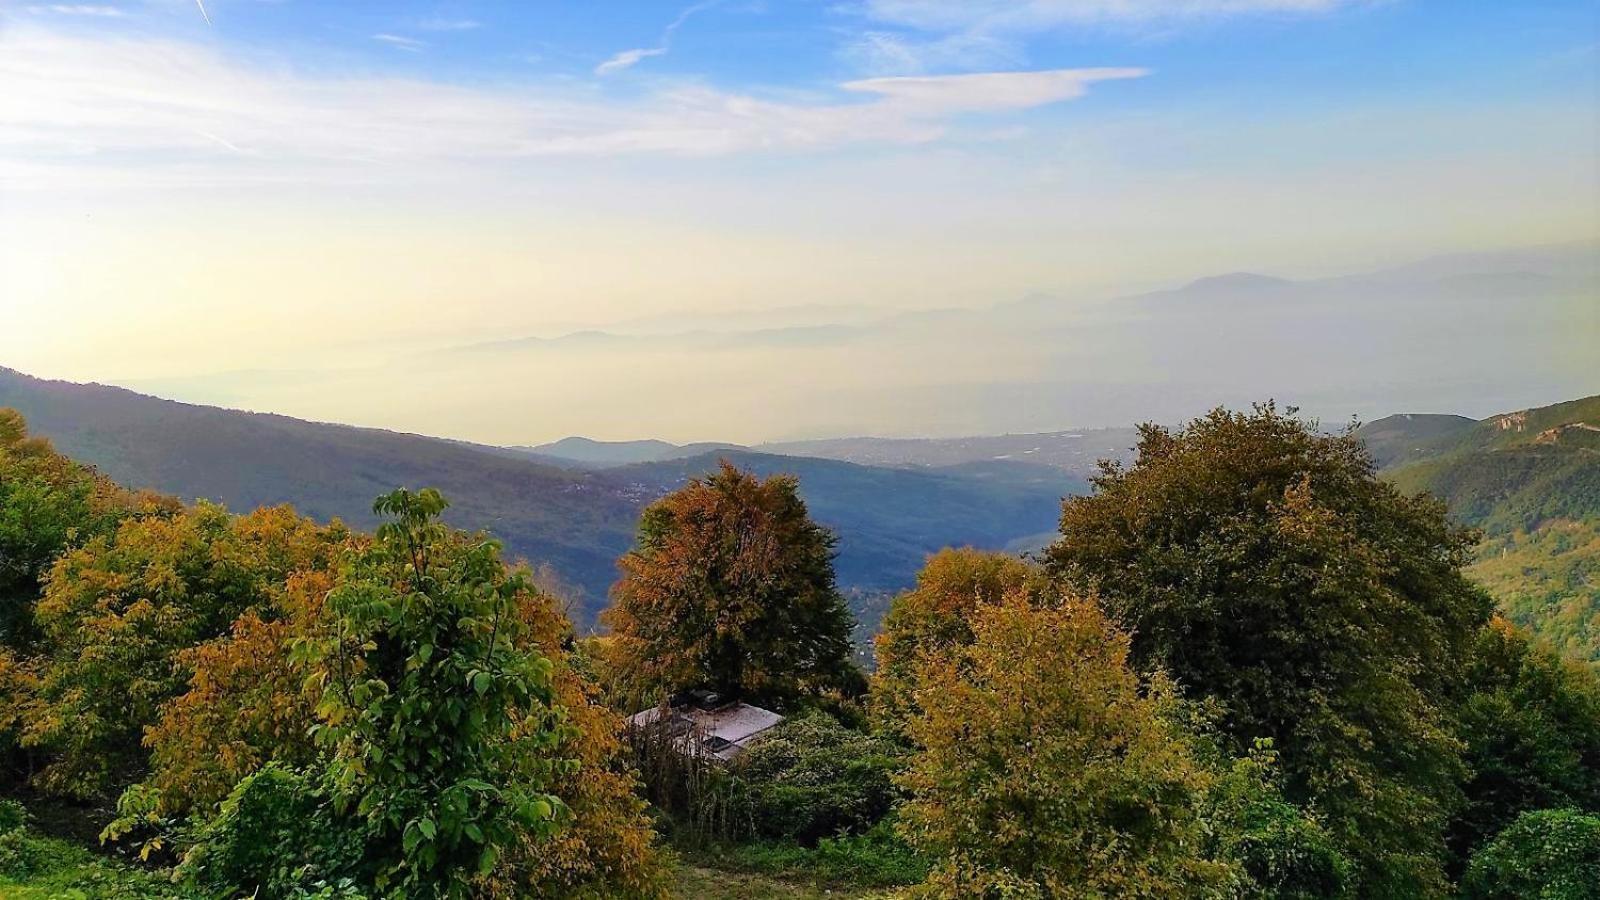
point(933, 617)
point(1532, 729)
point(1551, 854)
point(731, 587)
point(1045, 770)
point(1262, 564)
point(439, 727)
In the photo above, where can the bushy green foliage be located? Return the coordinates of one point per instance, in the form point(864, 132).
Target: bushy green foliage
point(275, 836)
point(1279, 850)
point(812, 777)
point(1263, 564)
point(731, 587)
point(1046, 770)
point(1543, 855)
point(438, 727)
point(1531, 724)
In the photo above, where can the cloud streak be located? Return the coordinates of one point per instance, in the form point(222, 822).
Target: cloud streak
point(627, 59)
point(400, 42)
point(1043, 15)
point(140, 105)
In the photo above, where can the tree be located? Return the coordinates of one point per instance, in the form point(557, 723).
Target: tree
point(439, 732)
point(1532, 730)
point(1046, 771)
point(1551, 854)
point(731, 587)
point(48, 505)
point(933, 617)
point(247, 717)
point(1263, 565)
point(121, 613)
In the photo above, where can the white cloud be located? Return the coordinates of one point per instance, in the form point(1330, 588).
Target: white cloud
point(144, 107)
point(400, 42)
point(1040, 15)
point(78, 9)
point(626, 59)
point(940, 95)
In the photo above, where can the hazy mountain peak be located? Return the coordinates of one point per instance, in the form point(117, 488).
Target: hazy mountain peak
point(1236, 281)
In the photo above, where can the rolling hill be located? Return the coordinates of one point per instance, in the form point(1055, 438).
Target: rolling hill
point(577, 520)
point(1531, 480)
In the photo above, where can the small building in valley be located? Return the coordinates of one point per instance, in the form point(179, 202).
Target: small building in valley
point(705, 723)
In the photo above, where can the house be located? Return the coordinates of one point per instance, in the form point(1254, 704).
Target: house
point(707, 723)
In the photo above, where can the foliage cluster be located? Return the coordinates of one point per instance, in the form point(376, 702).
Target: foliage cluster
point(731, 588)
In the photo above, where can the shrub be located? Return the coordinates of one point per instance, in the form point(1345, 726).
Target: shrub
point(1545, 855)
point(1046, 769)
point(877, 858)
point(275, 836)
point(812, 777)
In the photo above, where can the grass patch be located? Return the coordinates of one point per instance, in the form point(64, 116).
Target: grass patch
point(877, 859)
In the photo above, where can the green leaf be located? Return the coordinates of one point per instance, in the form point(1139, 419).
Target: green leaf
point(481, 682)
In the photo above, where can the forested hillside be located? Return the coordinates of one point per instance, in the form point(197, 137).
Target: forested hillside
point(574, 520)
point(1531, 481)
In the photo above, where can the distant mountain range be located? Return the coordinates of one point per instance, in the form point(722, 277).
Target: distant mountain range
point(1075, 452)
point(576, 518)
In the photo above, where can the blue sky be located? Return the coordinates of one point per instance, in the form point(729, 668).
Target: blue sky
point(179, 199)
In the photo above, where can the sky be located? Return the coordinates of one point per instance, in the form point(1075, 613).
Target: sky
point(757, 219)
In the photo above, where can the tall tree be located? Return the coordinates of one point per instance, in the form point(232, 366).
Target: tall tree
point(731, 587)
point(1262, 564)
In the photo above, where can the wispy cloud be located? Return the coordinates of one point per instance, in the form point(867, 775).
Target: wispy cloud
point(139, 105)
point(400, 42)
point(626, 59)
point(1038, 15)
point(78, 9)
point(449, 24)
point(888, 53)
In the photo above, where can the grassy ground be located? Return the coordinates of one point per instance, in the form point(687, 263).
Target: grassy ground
point(33, 867)
point(698, 883)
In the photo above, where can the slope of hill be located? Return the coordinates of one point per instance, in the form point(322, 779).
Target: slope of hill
point(1394, 440)
point(1531, 480)
point(1516, 470)
point(576, 520)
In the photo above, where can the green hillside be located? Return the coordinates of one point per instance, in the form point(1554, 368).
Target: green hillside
point(1531, 480)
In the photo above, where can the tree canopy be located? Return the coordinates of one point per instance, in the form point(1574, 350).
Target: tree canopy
point(731, 588)
point(1261, 563)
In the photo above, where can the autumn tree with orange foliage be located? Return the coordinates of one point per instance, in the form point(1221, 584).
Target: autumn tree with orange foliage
point(731, 587)
point(122, 613)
